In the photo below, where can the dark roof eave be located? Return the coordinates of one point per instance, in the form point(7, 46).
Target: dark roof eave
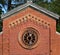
point(32, 5)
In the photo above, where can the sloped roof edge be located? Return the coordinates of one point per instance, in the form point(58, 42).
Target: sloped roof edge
point(32, 5)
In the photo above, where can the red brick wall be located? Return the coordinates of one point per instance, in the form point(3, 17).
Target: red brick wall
point(10, 41)
point(6, 43)
point(58, 44)
point(1, 43)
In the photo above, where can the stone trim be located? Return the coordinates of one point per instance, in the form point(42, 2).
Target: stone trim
point(58, 33)
point(1, 33)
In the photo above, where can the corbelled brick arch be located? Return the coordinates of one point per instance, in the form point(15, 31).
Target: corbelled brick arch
point(29, 17)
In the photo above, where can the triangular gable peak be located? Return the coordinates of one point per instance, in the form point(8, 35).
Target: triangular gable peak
point(28, 14)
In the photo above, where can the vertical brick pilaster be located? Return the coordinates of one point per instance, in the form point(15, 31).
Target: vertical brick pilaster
point(6, 42)
point(1, 35)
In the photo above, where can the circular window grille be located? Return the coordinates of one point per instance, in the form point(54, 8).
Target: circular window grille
point(29, 38)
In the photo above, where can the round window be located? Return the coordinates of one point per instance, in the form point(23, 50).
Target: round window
point(29, 38)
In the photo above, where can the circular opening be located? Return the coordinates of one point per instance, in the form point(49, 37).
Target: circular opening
point(30, 37)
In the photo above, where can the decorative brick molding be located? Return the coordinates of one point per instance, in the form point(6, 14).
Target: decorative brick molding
point(31, 17)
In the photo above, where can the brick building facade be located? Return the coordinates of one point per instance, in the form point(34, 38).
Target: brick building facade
point(29, 30)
